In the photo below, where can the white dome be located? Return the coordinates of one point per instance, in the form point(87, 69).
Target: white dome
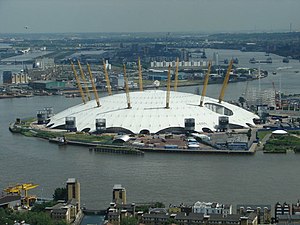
point(148, 112)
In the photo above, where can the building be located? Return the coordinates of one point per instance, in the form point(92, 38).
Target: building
point(288, 219)
point(64, 210)
point(73, 188)
point(182, 63)
point(15, 78)
point(119, 194)
point(263, 212)
point(44, 63)
point(296, 208)
point(282, 209)
point(197, 218)
point(10, 200)
point(117, 212)
point(47, 85)
point(148, 113)
point(69, 210)
point(216, 58)
point(208, 208)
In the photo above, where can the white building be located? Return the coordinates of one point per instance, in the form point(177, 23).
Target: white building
point(208, 208)
point(148, 112)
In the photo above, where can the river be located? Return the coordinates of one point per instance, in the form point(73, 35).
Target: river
point(169, 178)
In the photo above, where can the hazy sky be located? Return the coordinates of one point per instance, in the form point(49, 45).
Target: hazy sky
point(48, 16)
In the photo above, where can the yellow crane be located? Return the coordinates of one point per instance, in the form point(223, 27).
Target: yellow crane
point(225, 82)
point(18, 188)
point(28, 199)
point(78, 82)
point(140, 74)
point(107, 79)
point(168, 88)
point(205, 84)
point(84, 81)
point(176, 75)
point(93, 85)
point(126, 88)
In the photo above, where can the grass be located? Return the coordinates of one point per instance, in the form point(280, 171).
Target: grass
point(282, 143)
point(83, 137)
point(262, 134)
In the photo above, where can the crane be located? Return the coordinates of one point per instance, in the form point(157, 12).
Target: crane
point(205, 84)
point(107, 79)
point(27, 198)
point(93, 85)
point(225, 82)
point(78, 82)
point(126, 88)
point(168, 89)
point(18, 188)
point(140, 75)
point(84, 81)
point(176, 75)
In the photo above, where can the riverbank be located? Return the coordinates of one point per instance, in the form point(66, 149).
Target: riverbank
point(113, 143)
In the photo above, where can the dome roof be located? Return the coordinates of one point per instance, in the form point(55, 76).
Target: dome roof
point(148, 112)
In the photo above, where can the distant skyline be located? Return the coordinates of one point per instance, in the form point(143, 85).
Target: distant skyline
point(64, 16)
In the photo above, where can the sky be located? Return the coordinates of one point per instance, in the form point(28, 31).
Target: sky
point(64, 16)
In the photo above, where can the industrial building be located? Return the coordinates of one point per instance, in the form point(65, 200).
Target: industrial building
point(47, 85)
point(148, 113)
point(15, 78)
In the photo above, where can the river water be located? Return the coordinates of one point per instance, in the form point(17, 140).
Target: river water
point(170, 178)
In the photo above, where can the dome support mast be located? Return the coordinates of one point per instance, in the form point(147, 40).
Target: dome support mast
point(84, 81)
point(168, 89)
point(176, 75)
point(225, 82)
point(140, 74)
point(205, 85)
point(93, 85)
point(126, 88)
point(78, 83)
point(107, 79)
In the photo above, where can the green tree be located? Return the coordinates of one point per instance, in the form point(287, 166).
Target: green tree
point(60, 194)
point(159, 205)
point(170, 221)
point(129, 221)
point(242, 100)
point(41, 207)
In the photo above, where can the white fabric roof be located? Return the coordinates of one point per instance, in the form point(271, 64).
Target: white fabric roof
point(279, 132)
point(148, 112)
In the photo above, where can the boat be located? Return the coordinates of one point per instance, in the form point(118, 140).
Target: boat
point(268, 60)
point(253, 60)
point(285, 60)
point(58, 140)
point(235, 60)
point(274, 73)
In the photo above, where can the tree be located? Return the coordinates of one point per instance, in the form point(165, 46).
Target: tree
point(242, 100)
point(170, 221)
point(159, 205)
point(129, 221)
point(41, 207)
point(60, 194)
